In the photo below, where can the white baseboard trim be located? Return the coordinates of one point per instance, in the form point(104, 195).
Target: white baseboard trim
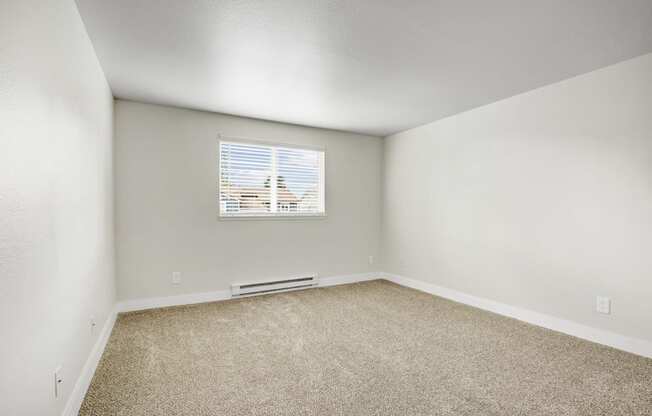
point(600, 336)
point(193, 298)
point(350, 278)
point(78, 393)
point(177, 300)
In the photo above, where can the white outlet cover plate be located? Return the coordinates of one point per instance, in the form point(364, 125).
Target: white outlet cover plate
point(57, 381)
point(603, 304)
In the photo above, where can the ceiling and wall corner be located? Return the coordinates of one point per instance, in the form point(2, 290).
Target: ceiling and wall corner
point(373, 67)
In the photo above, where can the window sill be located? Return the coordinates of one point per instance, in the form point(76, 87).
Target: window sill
point(276, 217)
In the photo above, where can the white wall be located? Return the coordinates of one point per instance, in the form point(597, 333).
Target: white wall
point(167, 207)
point(541, 201)
point(56, 215)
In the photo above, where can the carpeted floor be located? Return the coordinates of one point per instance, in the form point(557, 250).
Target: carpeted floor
point(371, 348)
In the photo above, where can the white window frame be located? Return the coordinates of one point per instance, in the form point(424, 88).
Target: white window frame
point(271, 215)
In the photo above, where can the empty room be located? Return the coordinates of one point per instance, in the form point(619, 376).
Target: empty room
point(325, 207)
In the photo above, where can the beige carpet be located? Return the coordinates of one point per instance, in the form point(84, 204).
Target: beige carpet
point(371, 348)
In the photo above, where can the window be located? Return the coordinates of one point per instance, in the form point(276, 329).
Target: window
point(263, 180)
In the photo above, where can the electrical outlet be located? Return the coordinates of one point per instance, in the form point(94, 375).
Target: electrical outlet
point(371, 259)
point(603, 305)
point(93, 323)
point(58, 380)
point(176, 278)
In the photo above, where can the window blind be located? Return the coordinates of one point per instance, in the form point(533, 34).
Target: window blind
point(259, 180)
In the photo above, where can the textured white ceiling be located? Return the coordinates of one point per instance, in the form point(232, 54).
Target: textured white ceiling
point(371, 66)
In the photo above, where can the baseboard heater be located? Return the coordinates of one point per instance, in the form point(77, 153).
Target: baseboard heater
point(239, 290)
